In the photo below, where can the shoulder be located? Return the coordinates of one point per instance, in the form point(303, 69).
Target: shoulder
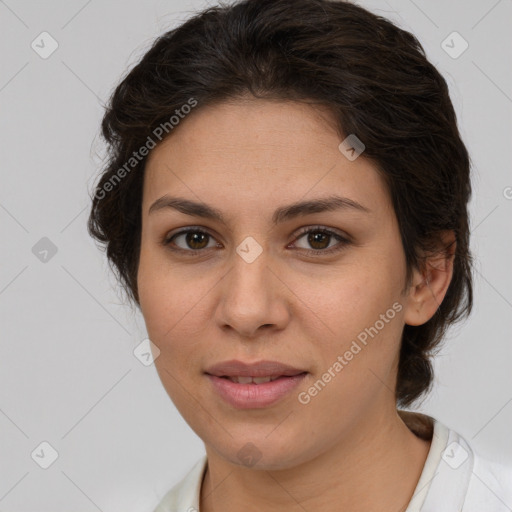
point(490, 487)
point(184, 496)
point(457, 478)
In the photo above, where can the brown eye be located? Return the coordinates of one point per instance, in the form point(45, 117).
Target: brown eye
point(196, 240)
point(318, 241)
point(190, 240)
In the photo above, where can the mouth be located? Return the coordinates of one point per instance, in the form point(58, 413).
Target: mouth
point(258, 370)
point(239, 379)
point(254, 385)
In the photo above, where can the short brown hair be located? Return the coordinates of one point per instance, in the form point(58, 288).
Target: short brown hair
point(375, 79)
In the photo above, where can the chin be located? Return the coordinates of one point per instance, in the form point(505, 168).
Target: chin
point(262, 453)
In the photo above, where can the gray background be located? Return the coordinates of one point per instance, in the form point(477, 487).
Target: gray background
point(68, 373)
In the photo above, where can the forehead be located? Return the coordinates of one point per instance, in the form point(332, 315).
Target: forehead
point(254, 151)
point(263, 130)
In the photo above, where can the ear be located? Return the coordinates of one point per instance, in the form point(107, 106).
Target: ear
point(430, 284)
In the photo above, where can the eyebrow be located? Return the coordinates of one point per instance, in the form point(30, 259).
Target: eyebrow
point(282, 214)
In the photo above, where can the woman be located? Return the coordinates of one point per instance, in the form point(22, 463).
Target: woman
point(286, 202)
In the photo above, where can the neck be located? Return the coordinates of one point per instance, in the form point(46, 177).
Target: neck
point(378, 463)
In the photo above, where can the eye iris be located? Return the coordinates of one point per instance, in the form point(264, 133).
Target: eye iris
point(194, 238)
point(316, 238)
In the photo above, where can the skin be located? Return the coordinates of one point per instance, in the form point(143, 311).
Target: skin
point(347, 449)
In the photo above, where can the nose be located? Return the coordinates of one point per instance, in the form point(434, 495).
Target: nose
point(253, 298)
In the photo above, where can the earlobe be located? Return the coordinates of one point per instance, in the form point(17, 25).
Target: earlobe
point(429, 286)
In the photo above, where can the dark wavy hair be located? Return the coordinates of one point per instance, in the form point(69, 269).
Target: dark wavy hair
point(372, 76)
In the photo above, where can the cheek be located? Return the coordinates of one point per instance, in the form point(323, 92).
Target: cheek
point(354, 312)
point(349, 298)
point(173, 302)
point(362, 321)
point(169, 305)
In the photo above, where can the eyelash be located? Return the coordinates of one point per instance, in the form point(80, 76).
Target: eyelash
point(343, 241)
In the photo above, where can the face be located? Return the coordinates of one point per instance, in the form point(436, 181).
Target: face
point(315, 288)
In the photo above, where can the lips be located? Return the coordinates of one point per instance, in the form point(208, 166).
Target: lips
point(254, 386)
point(257, 373)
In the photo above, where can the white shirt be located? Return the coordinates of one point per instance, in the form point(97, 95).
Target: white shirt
point(454, 477)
